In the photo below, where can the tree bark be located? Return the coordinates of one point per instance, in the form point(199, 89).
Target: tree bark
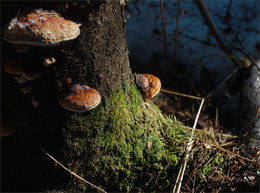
point(99, 57)
point(119, 145)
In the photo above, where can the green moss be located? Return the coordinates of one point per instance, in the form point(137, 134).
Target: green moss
point(123, 145)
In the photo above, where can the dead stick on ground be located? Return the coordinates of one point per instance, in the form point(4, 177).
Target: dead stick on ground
point(178, 183)
point(71, 171)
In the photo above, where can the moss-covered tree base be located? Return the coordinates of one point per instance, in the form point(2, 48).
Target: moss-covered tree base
point(124, 145)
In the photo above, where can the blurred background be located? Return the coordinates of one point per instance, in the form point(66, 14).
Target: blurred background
point(190, 60)
point(237, 24)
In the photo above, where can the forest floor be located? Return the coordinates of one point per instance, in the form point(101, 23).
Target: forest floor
point(185, 110)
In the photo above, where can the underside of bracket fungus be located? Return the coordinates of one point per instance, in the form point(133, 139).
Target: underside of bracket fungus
point(149, 85)
point(81, 98)
point(39, 28)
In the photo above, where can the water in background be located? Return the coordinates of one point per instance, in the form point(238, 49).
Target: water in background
point(237, 23)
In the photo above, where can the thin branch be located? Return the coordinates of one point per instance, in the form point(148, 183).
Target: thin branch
point(77, 176)
point(164, 37)
point(210, 23)
point(177, 29)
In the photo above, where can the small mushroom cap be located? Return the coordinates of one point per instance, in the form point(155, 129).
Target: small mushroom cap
point(82, 98)
point(48, 61)
point(68, 81)
point(13, 66)
point(149, 85)
point(40, 28)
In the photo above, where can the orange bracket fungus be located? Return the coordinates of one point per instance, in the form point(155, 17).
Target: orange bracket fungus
point(48, 61)
point(81, 98)
point(68, 81)
point(149, 85)
point(39, 28)
point(13, 66)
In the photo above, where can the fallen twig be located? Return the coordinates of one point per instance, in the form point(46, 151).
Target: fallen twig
point(77, 176)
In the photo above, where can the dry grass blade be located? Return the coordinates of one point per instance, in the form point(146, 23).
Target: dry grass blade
point(178, 183)
point(180, 94)
point(224, 82)
point(71, 171)
point(234, 154)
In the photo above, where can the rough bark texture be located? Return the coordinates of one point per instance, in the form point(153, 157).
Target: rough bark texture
point(98, 58)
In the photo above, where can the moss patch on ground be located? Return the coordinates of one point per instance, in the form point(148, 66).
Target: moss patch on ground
point(123, 145)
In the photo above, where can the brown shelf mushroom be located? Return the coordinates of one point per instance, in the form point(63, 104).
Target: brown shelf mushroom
point(13, 66)
point(149, 85)
point(39, 28)
point(48, 61)
point(6, 127)
point(81, 98)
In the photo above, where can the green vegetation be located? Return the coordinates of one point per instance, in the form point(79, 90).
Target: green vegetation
point(127, 145)
point(124, 145)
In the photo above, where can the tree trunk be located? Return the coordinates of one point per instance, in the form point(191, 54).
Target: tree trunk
point(99, 57)
point(119, 145)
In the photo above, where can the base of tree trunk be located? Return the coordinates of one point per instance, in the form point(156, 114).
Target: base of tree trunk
point(123, 146)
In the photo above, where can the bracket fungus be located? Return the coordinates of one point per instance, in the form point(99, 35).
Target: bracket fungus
point(81, 99)
point(39, 28)
point(6, 128)
point(13, 66)
point(48, 61)
point(149, 85)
